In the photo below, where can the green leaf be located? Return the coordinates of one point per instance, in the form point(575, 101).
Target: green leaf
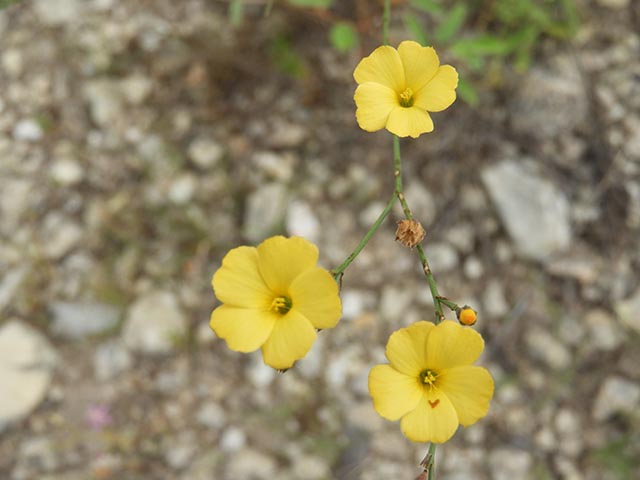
point(286, 58)
point(452, 23)
point(236, 12)
point(416, 29)
point(311, 3)
point(468, 93)
point(343, 37)
point(429, 6)
point(7, 3)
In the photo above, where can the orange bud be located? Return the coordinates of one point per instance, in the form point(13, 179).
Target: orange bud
point(467, 316)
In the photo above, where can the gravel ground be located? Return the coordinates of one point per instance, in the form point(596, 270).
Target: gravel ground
point(140, 141)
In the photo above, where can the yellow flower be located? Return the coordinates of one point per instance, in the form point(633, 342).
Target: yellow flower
point(431, 383)
point(397, 89)
point(274, 297)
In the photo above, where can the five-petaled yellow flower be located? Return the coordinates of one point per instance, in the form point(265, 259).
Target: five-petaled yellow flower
point(397, 89)
point(431, 383)
point(274, 297)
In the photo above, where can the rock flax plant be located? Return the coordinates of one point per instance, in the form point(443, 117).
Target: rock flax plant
point(274, 297)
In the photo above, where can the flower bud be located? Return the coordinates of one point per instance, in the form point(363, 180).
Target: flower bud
point(409, 233)
point(467, 315)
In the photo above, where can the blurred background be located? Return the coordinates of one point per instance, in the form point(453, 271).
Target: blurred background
point(141, 140)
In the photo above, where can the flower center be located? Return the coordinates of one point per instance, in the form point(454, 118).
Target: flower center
point(281, 305)
point(428, 377)
point(406, 98)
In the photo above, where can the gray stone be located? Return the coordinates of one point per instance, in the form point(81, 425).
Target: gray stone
point(628, 310)
point(154, 324)
point(310, 467)
point(61, 236)
point(551, 101)
point(182, 189)
point(79, 320)
point(494, 299)
point(275, 166)
point(604, 333)
point(105, 102)
point(442, 257)
point(421, 201)
point(12, 62)
point(616, 395)
point(111, 359)
point(252, 464)
point(205, 153)
point(232, 440)
point(179, 456)
point(547, 348)
point(534, 212)
point(38, 454)
point(570, 432)
point(136, 88)
point(614, 4)
point(301, 221)
point(266, 209)
point(26, 365)
point(10, 284)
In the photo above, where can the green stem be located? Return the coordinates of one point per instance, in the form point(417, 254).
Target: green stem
point(453, 306)
point(337, 273)
point(386, 16)
point(432, 461)
point(397, 161)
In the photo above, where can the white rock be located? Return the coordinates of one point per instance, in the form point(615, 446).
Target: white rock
point(182, 189)
point(394, 302)
point(179, 456)
point(423, 205)
point(211, 415)
point(534, 212)
point(27, 130)
point(205, 153)
point(66, 172)
point(9, 285)
point(494, 299)
point(12, 62)
point(616, 395)
point(105, 102)
point(154, 323)
point(302, 222)
point(16, 197)
point(252, 464)
point(232, 439)
point(547, 348)
point(570, 434)
point(615, 4)
point(259, 374)
point(266, 209)
point(79, 320)
point(111, 359)
point(509, 463)
point(628, 311)
point(136, 88)
point(26, 364)
point(61, 236)
point(310, 467)
point(473, 268)
point(275, 166)
point(58, 12)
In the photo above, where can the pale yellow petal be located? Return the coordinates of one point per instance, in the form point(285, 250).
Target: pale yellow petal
point(433, 420)
point(420, 64)
point(244, 330)
point(451, 345)
point(291, 339)
point(383, 66)
point(470, 389)
point(440, 92)
point(314, 294)
point(374, 102)
point(238, 281)
point(393, 393)
point(409, 122)
point(282, 259)
point(406, 348)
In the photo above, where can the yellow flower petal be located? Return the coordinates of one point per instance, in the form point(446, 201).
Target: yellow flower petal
point(282, 259)
point(244, 330)
point(440, 92)
point(420, 64)
point(314, 294)
point(238, 281)
point(406, 348)
point(451, 345)
point(469, 389)
point(433, 420)
point(383, 66)
point(393, 393)
point(374, 102)
point(412, 121)
point(290, 340)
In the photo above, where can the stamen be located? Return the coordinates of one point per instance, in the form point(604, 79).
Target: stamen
point(406, 98)
point(281, 305)
point(428, 377)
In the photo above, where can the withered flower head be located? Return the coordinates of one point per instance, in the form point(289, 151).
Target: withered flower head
point(409, 233)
